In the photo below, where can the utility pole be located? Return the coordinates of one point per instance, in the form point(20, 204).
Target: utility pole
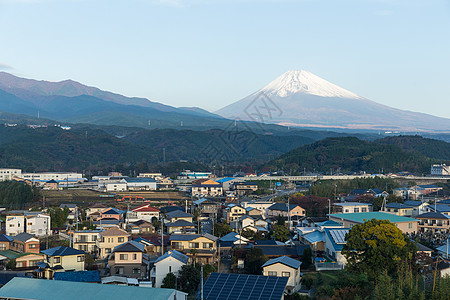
point(201, 283)
point(162, 235)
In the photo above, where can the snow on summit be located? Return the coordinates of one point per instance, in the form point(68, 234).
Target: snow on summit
point(305, 82)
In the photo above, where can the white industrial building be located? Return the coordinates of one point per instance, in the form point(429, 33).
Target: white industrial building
point(8, 174)
point(440, 170)
point(60, 177)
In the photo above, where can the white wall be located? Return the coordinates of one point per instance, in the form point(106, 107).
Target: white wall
point(162, 268)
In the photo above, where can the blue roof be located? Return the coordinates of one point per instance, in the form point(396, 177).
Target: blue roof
point(329, 223)
point(443, 248)
point(441, 207)
point(314, 237)
point(62, 251)
point(230, 237)
point(180, 223)
point(178, 214)
point(285, 260)
point(243, 287)
point(225, 179)
point(397, 205)
point(140, 179)
point(175, 254)
point(78, 276)
point(42, 289)
point(413, 203)
point(130, 246)
point(282, 206)
point(428, 186)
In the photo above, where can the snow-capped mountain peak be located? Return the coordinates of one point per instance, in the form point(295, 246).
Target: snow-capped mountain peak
point(305, 82)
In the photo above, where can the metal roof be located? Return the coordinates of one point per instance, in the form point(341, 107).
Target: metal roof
point(180, 223)
point(243, 287)
point(175, 254)
point(314, 237)
point(78, 276)
point(62, 251)
point(285, 260)
point(42, 289)
point(178, 214)
point(367, 216)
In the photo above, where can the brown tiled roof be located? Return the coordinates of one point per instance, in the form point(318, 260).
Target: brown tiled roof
point(114, 231)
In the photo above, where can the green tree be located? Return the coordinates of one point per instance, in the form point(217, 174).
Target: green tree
point(58, 216)
point(376, 245)
point(307, 258)
point(280, 233)
point(11, 264)
point(254, 259)
point(189, 279)
point(169, 281)
point(221, 229)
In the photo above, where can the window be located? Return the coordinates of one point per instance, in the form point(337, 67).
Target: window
point(134, 256)
point(409, 225)
point(285, 274)
point(207, 245)
point(121, 240)
point(363, 209)
point(57, 260)
point(123, 257)
point(107, 250)
point(193, 245)
point(136, 271)
point(356, 210)
point(80, 258)
point(119, 270)
point(170, 269)
point(272, 273)
point(2, 247)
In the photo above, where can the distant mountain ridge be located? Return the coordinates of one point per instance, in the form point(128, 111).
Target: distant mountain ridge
point(71, 101)
point(302, 99)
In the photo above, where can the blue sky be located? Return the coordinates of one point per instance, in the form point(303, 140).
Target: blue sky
point(212, 53)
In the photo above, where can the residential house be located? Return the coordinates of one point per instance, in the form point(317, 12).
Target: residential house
point(199, 247)
point(419, 207)
point(405, 224)
point(369, 192)
point(228, 182)
point(25, 243)
point(273, 249)
point(398, 209)
point(242, 222)
point(434, 222)
point(5, 242)
point(96, 208)
point(165, 183)
point(177, 215)
point(32, 222)
point(61, 259)
point(259, 205)
point(351, 207)
point(153, 243)
point(244, 188)
point(234, 212)
point(129, 259)
point(51, 185)
point(207, 187)
point(170, 262)
point(254, 212)
point(180, 226)
point(281, 209)
point(440, 208)
point(143, 212)
point(231, 240)
point(23, 260)
point(334, 243)
point(141, 227)
point(109, 239)
point(86, 240)
point(285, 266)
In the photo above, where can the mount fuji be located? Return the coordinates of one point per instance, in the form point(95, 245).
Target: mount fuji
point(302, 99)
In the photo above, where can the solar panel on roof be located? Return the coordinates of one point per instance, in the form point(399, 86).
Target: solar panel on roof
point(220, 286)
point(338, 236)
